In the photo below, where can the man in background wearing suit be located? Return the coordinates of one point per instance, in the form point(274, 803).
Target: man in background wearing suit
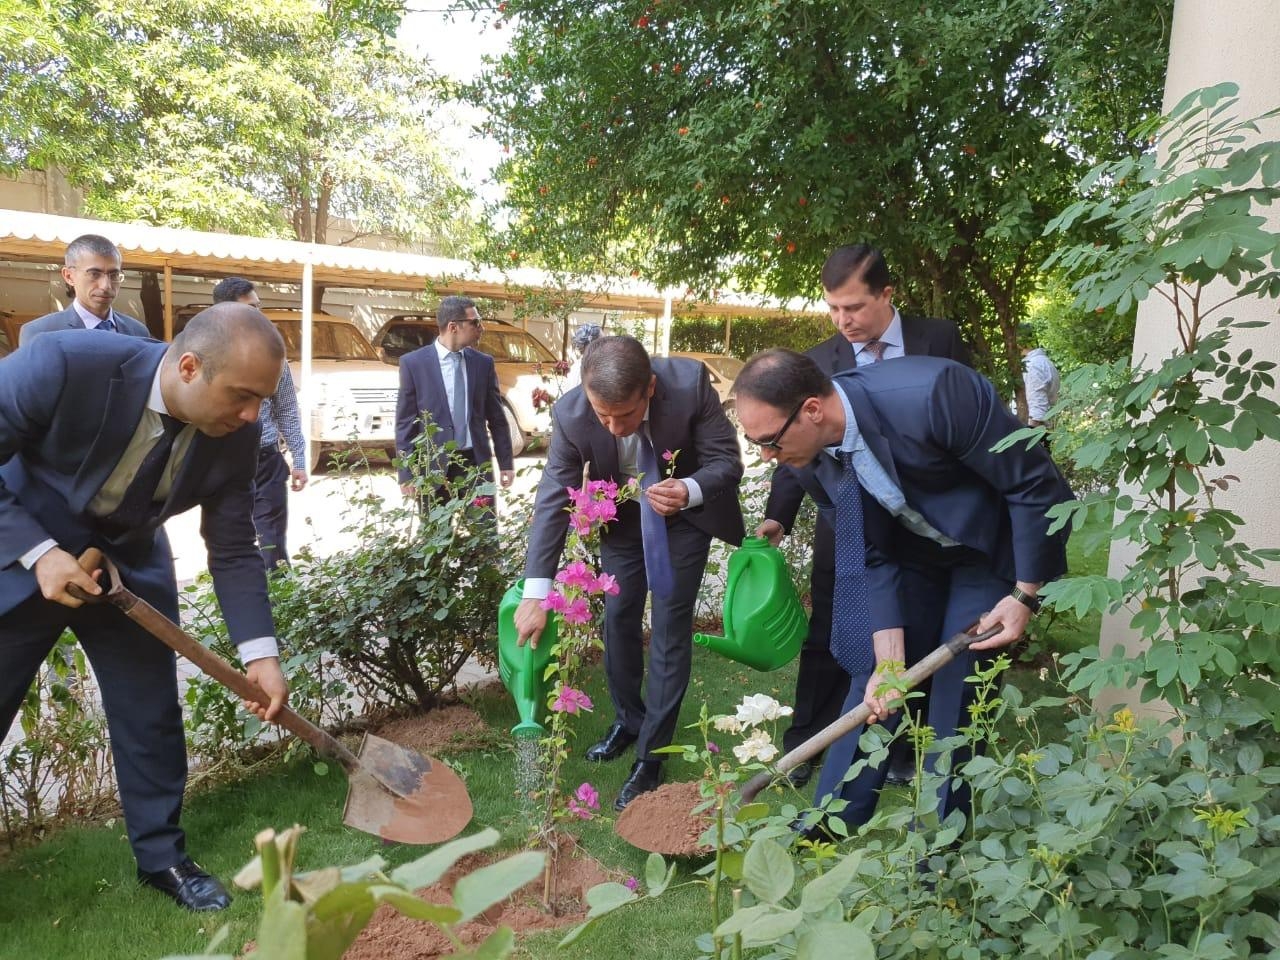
point(281, 421)
point(627, 413)
point(455, 387)
point(92, 272)
point(102, 439)
point(934, 531)
point(859, 292)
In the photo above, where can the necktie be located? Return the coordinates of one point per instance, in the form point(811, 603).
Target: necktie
point(851, 613)
point(459, 409)
point(107, 324)
point(136, 504)
point(653, 527)
point(875, 350)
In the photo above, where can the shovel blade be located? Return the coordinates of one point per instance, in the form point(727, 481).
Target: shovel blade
point(401, 796)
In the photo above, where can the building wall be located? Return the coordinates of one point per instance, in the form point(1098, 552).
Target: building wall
point(1214, 41)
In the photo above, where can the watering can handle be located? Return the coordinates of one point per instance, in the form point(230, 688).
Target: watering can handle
point(829, 734)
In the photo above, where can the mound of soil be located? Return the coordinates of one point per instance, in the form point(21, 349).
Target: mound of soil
point(663, 821)
point(392, 936)
point(443, 730)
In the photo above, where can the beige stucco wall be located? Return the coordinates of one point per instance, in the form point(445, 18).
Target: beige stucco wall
point(1215, 41)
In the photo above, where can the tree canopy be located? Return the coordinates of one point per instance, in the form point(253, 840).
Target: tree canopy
point(268, 118)
point(709, 142)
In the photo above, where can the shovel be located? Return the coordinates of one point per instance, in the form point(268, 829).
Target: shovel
point(828, 735)
point(394, 793)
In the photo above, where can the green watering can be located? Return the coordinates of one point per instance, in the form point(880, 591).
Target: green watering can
point(764, 622)
point(523, 668)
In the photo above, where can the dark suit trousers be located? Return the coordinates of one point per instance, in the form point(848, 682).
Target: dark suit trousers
point(942, 596)
point(271, 506)
point(821, 683)
point(137, 677)
point(651, 716)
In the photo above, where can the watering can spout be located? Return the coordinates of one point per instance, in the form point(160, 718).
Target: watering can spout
point(764, 621)
point(523, 667)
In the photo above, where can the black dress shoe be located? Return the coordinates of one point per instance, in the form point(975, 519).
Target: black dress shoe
point(612, 746)
point(646, 775)
point(800, 774)
point(901, 775)
point(189, 886)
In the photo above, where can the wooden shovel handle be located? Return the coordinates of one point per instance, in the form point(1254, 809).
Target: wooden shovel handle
point(174, 637)
point(828, 735)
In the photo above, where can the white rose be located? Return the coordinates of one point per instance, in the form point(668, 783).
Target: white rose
point(760, 707)
point(727, 724)
point(758, 746)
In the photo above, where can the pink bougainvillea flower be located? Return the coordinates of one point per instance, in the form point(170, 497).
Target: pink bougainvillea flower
point(577, 574)
point(577, 611)
point(606, 510)
point(580, 522)
point(668, 456)
point(713, 747)
point(607, 583)
point(587, 795)
point(482, 502)
point(569, 700)
point(607, 489)
point(632, 884)
point(555, 600)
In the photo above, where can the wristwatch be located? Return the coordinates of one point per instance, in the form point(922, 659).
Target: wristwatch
point(1028, 600)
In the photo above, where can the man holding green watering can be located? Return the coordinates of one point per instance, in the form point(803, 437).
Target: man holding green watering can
point(628, 412)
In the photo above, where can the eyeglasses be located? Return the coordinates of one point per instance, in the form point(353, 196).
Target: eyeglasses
point(774, 443)
point(94, 275)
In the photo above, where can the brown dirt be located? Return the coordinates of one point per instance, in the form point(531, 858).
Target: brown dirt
point(444, 730)
point(392, 936)
point(663, 821)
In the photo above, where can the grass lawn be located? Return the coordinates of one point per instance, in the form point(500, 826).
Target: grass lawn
point(74, 895)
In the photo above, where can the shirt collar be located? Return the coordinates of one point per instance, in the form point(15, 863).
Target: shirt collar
point(88, 319)
point(155, 400)
point(892, 336)
point(442, 351)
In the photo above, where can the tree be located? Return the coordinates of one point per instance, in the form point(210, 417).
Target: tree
point(737, 141)
point(270, 118)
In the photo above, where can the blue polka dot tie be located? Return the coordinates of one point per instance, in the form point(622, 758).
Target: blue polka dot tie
point(653, 526)
point(851, 611)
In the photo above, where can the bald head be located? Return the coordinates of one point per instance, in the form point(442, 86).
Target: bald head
point(224, 330)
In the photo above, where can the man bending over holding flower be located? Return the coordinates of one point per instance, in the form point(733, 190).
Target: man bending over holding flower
point(627, 413)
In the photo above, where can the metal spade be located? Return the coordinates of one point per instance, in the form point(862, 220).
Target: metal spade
point(393, 792)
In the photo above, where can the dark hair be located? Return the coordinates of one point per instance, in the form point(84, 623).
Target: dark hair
point(211, 333)
point(90, 243)
point(232, 289)
point(781, 379)
point(452, 310)
point(616, 369)
point(857, 260)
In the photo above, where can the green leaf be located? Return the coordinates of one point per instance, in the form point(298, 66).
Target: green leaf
point(657, 875)
point(762, 924)
point(606, 897)
point(427, 870)
point(768, 871)
point(827, 941)
point(415, 907)
point(481, 889)
point(282, 934)
point(496, 946)
point(822, 891)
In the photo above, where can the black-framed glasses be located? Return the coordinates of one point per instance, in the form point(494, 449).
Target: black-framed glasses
point(774, 443)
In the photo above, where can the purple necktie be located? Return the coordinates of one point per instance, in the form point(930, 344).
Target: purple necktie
point(653, 527)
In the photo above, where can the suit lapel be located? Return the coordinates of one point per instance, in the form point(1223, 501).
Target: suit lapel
point(914, 340)
point(126, 397)
point(869, 426)
point(435, 388)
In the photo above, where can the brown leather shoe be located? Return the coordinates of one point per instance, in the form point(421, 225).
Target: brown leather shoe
point(188, 886)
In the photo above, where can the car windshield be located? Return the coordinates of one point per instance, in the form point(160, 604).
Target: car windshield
point(514, 346)
point(398, 339)
point(329, 341)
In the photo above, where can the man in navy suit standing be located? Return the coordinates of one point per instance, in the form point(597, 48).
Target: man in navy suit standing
point(455, 387)
point(933, 530)
point(92, 272)
point(102, 439)
point(858, 289)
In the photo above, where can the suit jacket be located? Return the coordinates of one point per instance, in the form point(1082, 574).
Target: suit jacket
point(69, 404)
point(684, 415)
point(921, 336)
point(68, 319)
point(422, 394)
point(932, 423)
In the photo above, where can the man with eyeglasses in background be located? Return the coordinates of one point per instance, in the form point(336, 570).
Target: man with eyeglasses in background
point(92, 272)
point(281, 421)
point(455, 387)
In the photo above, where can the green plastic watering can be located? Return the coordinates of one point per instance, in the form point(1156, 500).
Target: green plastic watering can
point(523, 668)
point(764, 621)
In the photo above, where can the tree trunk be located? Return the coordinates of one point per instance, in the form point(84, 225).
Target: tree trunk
point(152, 303)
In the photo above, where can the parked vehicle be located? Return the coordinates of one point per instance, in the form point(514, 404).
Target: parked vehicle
point(523, 365)
point(723, 370)
point(9, 324)
point(351, 395)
